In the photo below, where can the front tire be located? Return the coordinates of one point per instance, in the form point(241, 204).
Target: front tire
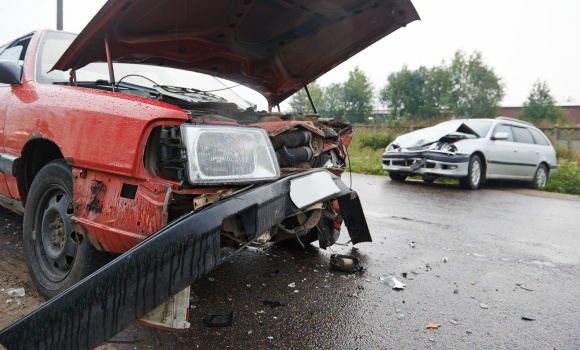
point(397, 177)
point(474, 175)
point(57, 257)
point(540, 178)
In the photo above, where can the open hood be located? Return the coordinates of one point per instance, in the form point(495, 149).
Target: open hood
point(419, 138)
point(272, 46)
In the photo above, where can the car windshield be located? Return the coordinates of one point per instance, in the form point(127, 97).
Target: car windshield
point(192, 86)
point(481, 127)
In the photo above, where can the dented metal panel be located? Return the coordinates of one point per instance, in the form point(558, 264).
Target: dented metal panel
point(168, 261)
point(113, 218)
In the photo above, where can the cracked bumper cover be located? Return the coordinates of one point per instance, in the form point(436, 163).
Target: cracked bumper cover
point(426, 163)
point(123, 291)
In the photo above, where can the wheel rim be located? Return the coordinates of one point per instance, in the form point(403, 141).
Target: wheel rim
point(475, 172)
point(541, 177)
point(54, 238)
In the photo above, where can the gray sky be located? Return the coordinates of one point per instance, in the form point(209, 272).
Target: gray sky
point(522, 40)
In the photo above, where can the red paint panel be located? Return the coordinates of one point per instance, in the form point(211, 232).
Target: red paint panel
point(122, 222)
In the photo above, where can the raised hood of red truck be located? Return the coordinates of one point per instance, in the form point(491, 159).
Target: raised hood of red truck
point(272, 46)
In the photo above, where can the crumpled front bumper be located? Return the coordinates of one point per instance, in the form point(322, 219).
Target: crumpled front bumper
point(126, 289)
point(426, 163)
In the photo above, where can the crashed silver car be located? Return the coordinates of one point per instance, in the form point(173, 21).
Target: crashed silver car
point(473, 151)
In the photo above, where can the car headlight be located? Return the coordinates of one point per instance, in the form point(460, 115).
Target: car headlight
point(393, 147)
point(447, 147)
point(228, 154)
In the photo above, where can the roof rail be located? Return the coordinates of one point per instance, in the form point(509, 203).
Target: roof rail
point(515, 120)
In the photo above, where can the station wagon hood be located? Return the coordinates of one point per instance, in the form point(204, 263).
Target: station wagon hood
point(426, 136)
point(272, 46)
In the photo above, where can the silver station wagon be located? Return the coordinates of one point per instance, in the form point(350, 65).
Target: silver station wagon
point(473, 151)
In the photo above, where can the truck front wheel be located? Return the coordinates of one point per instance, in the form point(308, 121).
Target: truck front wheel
point(56, 255)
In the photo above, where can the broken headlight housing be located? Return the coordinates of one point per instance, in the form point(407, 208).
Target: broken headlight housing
point(228, 154)
point(393, 147)
point(447, 147)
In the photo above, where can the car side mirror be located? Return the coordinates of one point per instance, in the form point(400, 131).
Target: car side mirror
point(10, 73)
point(502, 135)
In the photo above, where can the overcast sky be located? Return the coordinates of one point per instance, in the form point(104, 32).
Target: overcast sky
point(522, 40)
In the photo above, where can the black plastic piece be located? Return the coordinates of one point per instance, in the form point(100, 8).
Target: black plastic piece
point(219, 320)
point(272, 303)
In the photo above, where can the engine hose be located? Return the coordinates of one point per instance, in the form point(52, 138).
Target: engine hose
point(292, 139)
point(289, 157)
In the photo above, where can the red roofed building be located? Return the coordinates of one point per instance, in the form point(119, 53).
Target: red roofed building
point(572, 111)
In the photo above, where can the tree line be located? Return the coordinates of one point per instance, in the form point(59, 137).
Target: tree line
point(466, 87)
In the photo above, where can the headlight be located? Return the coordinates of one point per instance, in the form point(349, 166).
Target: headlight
point(447, 147)
point(228, 154)
point(393, 147)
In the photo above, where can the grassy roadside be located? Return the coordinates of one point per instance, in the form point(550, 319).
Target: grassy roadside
point(366, 149)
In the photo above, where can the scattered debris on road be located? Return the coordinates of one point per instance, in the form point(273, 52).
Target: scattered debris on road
point(522, 286)
point(219, 320)
point(433, 326)
point(445, 259)
point(412, 244)
point(393, 282)
point(345, 263)
point(14, 292)
point(528, 318)
point(484, 306)
point(273, 304)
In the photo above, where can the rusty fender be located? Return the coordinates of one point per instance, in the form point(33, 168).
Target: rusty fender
point(123, 291)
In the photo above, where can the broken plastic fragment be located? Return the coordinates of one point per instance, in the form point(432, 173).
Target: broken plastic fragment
point(272, 304)
point(393, 282)
point(124, 338)
point(219, 320)
point(433, 326)
point(524, 287)
point(444, 260)
point(15, 292)
point(527, 318)
point(292, 285)
point(412, 244)
point(484, 306)
point(345, 263)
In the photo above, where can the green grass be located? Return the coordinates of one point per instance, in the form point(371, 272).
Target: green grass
point(566, 180)
point(366, 149)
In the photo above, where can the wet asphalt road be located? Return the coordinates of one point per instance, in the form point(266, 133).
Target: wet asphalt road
point(494, 239)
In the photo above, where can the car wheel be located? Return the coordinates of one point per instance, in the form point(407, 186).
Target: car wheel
point(397, 177)
point(429, 179)
point(474, 174)
point(540, 178)
point(57, 257)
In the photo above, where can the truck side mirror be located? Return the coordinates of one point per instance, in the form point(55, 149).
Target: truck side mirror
point(10, 73)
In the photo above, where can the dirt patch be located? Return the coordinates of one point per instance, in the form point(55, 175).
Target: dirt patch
point(13, 271)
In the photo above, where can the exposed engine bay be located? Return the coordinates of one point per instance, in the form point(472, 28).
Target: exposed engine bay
point(300, 143)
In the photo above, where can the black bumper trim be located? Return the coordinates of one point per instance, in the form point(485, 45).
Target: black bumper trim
point(126, 289)
point(439, 157)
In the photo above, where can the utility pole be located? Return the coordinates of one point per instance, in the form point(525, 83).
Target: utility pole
point(59, 14)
